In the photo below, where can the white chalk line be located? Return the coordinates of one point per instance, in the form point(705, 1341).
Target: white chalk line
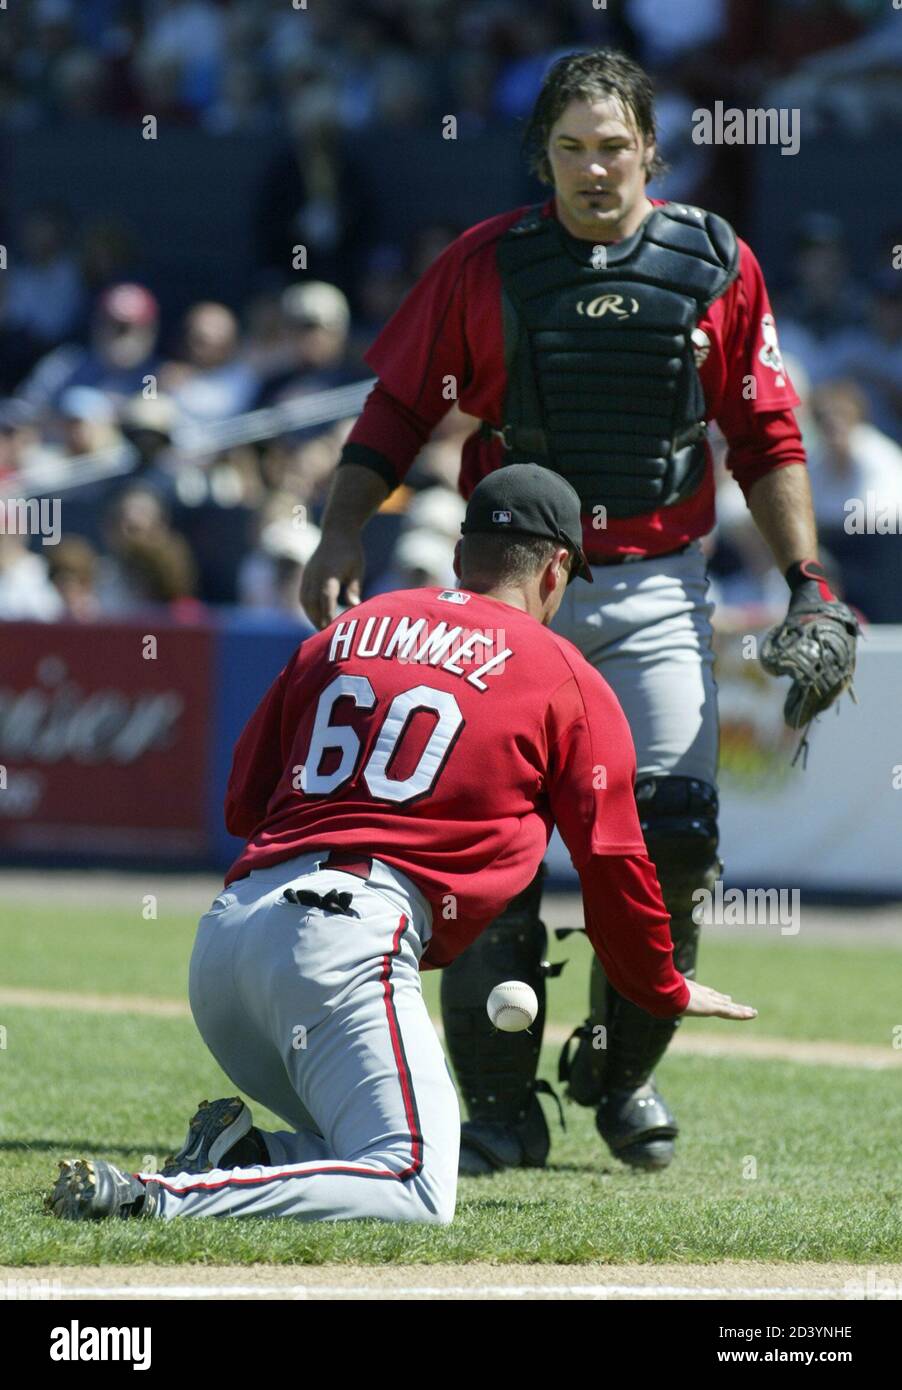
point(303, 1292)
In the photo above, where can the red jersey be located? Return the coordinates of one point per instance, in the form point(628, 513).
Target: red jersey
point(450, 327)
point(446, 733)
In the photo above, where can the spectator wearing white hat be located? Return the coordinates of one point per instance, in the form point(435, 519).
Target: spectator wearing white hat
point(439, 510)
point(421, 559)
point(148, 424)
point(87, 421)
point(316, 322)
point(424, 552)
point(269, 578)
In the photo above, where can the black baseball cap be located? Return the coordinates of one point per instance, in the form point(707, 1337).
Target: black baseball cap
point(525, 499)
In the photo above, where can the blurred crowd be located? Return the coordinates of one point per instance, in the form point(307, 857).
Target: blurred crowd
point(247, 65)
point(159, 510)
point(125, 416)
point(839, 316)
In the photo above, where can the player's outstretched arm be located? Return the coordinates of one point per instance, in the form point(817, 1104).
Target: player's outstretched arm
point(705, 1002)
point(627, 921)
point(337, 562)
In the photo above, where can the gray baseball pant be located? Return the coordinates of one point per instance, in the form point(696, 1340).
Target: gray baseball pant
point(318, 1014)
point(646, 626)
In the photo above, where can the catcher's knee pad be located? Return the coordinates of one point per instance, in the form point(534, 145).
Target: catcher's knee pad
point(496, 1072)
point(620, 1044)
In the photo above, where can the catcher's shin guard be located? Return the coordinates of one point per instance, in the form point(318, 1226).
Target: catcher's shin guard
point(496, 1072)
point(619, 1045)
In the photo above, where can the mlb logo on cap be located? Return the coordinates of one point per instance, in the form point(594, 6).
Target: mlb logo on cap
point(530, 501)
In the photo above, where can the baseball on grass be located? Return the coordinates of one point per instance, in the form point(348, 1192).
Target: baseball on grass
point(512, 1006)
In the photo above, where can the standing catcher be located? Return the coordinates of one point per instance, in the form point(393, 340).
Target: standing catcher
point(397, 785)
point(597, 334)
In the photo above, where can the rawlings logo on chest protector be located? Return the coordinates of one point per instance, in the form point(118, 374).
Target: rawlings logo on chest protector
point(602, 385)
point(615, 304)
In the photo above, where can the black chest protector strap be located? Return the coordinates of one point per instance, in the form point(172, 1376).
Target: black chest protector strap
point(603, 382)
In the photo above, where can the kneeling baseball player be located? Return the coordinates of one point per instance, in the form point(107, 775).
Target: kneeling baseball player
point(398, 785)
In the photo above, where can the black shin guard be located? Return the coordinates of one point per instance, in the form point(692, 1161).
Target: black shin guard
point(636, 1040)
point(496, 1072)
point(620, 1044)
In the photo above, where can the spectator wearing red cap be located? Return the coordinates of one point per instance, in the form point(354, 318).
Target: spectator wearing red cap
point(120, 357)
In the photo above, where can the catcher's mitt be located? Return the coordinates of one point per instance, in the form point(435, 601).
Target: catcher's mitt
point(815, 647)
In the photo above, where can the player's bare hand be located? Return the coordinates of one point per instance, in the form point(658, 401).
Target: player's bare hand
point(705, 1002)
point(336, 563)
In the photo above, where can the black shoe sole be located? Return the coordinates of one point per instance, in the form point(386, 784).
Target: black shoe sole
point(651, 1154)
point(87, 1190)
point(209, 1122)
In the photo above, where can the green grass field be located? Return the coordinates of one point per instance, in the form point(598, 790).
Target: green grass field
point(824, 1139)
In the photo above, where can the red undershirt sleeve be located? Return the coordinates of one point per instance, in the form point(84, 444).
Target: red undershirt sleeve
point(591, 779)
point(387, 436)
point(629, 928)
point(760, 444)
point(757, 413)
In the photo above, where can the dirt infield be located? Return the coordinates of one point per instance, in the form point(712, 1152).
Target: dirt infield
point(762, 1049)
point(738, 1280)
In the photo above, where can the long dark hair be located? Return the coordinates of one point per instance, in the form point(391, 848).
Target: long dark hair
point(604, 72)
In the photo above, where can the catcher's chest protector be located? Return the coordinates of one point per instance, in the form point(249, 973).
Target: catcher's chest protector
point(603, 385)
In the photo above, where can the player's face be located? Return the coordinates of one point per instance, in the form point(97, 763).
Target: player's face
point(599, 165)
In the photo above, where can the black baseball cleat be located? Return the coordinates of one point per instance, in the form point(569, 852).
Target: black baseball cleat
point(92, 1189)
point(221, 1134)
point(638, 1127)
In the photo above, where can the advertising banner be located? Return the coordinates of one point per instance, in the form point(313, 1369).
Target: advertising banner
point(105, 739)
